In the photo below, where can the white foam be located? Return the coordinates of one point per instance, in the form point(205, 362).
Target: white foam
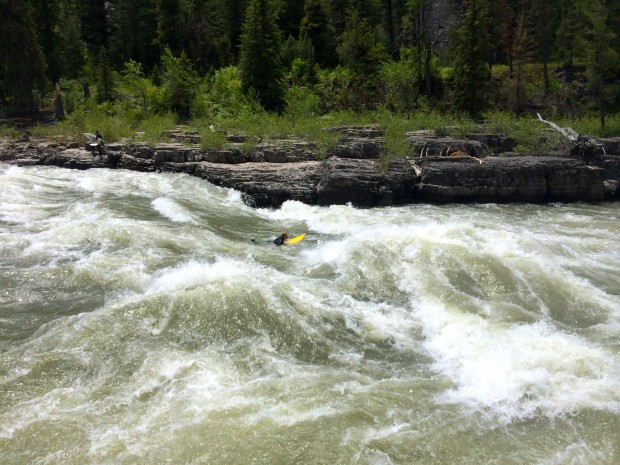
point(580, 453)
point(517, 371)
point(171, 210)
point(194, 273)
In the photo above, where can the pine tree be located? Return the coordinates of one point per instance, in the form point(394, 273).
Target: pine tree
point(290, 14)
point(392, 15)
point(233, 12)
point(521, 51)
point(357, 44)
point(134, 33)
point(74, 52)
point(105, 77)
point(600, 56)
point(180, 83)
point(95, 25)
point(416, 22)
point(544, 13)
point(207, 44)
point(46, 16)
point(259, 62)
point(507, 19)
point(571, 25)
point(471, 66)
point(317, 27)
point(170, 25)
point(22, 64)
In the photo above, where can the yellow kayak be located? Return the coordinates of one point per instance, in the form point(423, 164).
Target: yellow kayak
point(292, 240)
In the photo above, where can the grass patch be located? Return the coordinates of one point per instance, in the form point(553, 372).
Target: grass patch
point(590, 126)
point(155, 128)
point(396, 144)
point(10, 132)
point(530, 134)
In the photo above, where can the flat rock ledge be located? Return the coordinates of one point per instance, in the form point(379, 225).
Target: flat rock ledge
point(481, 169)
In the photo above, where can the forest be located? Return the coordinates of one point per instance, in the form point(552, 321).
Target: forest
point(204, 60)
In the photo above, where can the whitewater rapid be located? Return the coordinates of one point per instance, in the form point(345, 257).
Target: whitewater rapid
point(140, 324)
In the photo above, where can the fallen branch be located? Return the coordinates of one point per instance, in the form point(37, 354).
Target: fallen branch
point(569, 133)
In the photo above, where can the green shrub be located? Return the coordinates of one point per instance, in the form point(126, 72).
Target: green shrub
point(301, 102)
point(156, 127)
point(396, 144)
point(10, 132)
point(210, 136)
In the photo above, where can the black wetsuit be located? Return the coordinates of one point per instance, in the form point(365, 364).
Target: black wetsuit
point(279, 240)
point(100, 143)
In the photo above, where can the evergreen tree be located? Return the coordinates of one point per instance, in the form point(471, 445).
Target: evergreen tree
point(170, 25)
point(602, 60)
point(506, 34)
point(392, 14)
point(613, 19)
point(357, 48)
point(521, 51)
point(417, 24)
point(471, 67)
point(302, 64)
point(317, 27)
point(74, 52)
point(233, 12)
point(259, 62)
point(571, 25)
point(180, 83)
point(134, 33)
point(290, 14)
point(46, 16)
point(544, 13)
point(338, 13)
point(105, 77)
point(207, 44)
point(95, 25)
point(22, 64)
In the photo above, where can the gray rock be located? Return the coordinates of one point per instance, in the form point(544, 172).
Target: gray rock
point(436, 146)
point(277, 171)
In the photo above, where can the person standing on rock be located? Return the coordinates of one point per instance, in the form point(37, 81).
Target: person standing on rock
point(100, 142)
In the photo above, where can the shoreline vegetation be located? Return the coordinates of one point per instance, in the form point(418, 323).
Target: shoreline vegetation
point(531, 136)
point(286, 69)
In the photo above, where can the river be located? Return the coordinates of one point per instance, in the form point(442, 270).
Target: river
point(139, 324)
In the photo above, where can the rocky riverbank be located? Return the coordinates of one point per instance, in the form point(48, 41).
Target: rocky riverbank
point(480, 168)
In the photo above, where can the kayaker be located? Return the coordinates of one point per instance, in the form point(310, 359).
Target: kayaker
point(281, 238)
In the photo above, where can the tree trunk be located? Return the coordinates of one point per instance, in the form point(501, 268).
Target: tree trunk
point(59, 108)
point(427, 71)
point(545, 50)
point(601, 99)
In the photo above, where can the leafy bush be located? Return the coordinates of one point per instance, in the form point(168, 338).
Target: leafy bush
point(301, 102)
point(179, 84)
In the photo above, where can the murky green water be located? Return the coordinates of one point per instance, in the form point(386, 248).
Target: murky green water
point(139, 324)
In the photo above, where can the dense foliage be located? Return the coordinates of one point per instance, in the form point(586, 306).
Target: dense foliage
point(207, 58)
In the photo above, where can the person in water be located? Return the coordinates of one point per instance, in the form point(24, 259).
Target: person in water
point(281, 238)
point(278, 240)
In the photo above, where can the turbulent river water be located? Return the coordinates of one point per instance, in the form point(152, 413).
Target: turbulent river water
point(139, 324)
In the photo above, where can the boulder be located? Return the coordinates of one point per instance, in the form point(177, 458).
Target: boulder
point(364, 183)
point(174, 153)
point(359, 148)
point(436, 146)
point(496, 143)
point(264, 184)
point(523, 179)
